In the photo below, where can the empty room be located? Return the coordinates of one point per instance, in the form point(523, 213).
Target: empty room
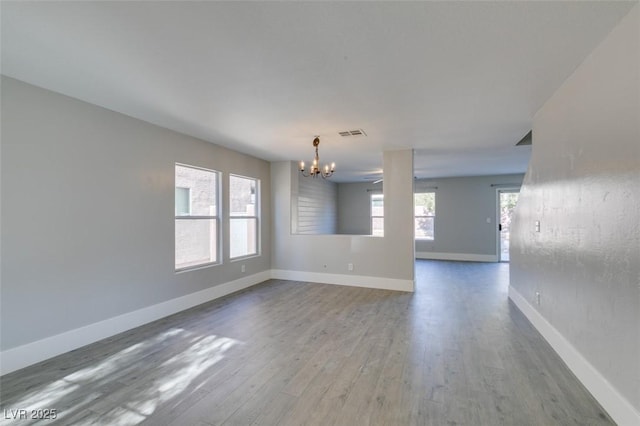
point(320, 213)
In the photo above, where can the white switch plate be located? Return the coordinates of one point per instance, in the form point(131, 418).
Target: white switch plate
point(350, 266)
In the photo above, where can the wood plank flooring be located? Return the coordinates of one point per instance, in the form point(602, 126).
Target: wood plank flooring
point(455, 352)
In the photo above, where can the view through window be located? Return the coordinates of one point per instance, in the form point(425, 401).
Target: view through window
point(377, 215)
point(243, 216)
point(424, 207)
point(196, 217)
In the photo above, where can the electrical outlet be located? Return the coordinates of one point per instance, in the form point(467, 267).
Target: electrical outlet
point(243, 268)
point(350, 266)
point(537, 226)
point(538, 298)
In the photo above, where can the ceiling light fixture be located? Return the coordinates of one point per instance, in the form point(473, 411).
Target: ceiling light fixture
point(315, 169)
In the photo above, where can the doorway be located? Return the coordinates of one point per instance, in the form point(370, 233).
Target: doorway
point(507, 200)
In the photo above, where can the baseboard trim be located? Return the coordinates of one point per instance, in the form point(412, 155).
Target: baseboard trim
point(40, 350)
point(618, 407)
point(466, 257)
point(347, 280)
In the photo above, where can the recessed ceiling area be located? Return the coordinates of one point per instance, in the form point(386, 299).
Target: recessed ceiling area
point(459, 82)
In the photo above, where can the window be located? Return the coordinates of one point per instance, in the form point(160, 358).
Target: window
point(377, 215)
point(244, 205)
point(196, 217)
point(424, 208)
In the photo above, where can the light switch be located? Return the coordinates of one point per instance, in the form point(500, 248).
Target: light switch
point(537, 226)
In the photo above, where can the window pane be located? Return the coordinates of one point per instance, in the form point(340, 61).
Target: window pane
point(243, 201)
point(377, 226)
point(244, 236)
point(242, 192)
point(425, 204)
point(377, 205)
point(202, 185)
point(183, 205)
point(424, 227)
point(195, 242)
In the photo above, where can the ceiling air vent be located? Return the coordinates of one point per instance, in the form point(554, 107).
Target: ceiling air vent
point(356, 132)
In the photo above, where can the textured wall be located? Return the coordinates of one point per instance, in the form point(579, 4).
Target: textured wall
point(583, 186)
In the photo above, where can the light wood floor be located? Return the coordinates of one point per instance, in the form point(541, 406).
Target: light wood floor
point(455, 352)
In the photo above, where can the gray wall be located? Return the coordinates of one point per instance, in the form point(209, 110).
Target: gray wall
point(354, 207)
point(583, 185)
point(463, 205)
point(88, 213)
point(390, 256)
point(316, 210)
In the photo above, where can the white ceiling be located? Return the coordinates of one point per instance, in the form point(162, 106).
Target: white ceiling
point(458, 81)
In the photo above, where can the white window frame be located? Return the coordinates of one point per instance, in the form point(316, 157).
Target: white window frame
point(372, 196)
point(216, 218)
point(256, 216)
point(424, 216)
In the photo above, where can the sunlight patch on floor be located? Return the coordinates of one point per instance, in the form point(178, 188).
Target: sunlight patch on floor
point(79, 387)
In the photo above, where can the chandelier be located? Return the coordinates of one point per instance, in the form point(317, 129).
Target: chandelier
point(315, 169)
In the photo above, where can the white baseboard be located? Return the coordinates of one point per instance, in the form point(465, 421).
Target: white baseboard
point(34, 352)
point(620, 410)
point(348, 280)
point(466, 257)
